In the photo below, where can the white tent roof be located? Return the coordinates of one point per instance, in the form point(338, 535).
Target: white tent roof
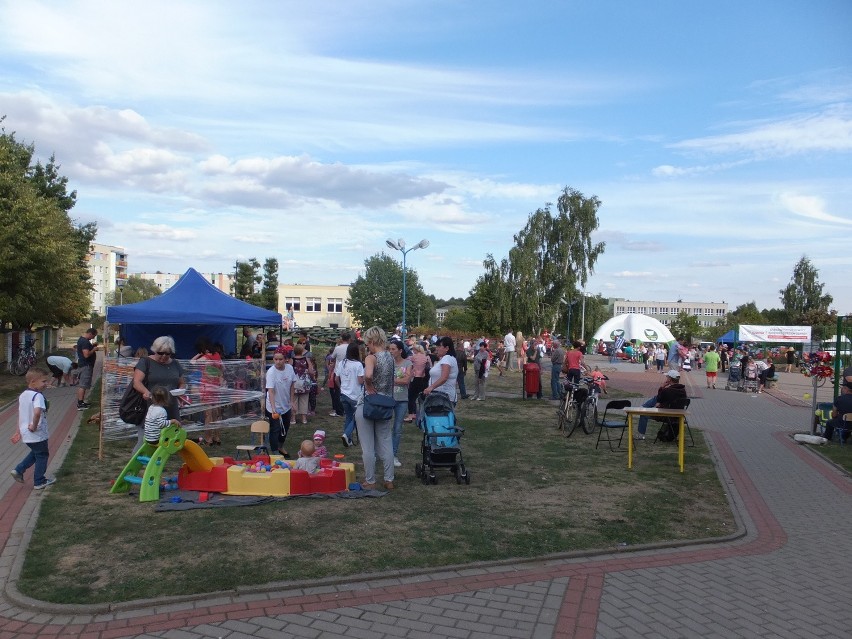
point(642, 328)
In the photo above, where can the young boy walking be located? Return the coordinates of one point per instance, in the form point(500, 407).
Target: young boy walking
point(32, 425)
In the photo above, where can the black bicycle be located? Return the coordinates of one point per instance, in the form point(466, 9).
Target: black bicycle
point(589, 408)
point(568, 413)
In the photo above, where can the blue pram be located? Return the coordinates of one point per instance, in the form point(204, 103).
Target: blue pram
point(441, 436)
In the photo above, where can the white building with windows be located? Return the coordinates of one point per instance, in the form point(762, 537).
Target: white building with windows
point(164, 281)
point(707, 313)
point(107, 271)
point(315, 305)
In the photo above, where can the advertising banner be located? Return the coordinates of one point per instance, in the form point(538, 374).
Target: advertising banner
point(784, 334)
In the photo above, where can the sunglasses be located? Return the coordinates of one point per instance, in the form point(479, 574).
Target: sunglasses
point(165, 354)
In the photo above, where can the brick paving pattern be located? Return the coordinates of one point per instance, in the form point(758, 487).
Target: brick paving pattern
point(786, 571)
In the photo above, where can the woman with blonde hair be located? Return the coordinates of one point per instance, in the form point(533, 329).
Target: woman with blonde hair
point(376, 436)
point(520, 350)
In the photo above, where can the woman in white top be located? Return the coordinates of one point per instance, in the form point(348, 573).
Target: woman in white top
point(351, 374)
point(443, 375)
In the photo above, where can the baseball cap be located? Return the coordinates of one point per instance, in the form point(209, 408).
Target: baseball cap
point(319, 434)
point(673, 374)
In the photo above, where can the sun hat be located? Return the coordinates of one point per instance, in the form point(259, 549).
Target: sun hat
point(319, 434)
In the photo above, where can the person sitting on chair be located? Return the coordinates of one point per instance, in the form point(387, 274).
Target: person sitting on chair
point(670, 391)
point(768, 372)
point(842, 405)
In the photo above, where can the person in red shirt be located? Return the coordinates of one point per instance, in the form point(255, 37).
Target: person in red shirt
point(574, 363)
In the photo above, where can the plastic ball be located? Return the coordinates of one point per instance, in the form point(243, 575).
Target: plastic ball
point(806, 396)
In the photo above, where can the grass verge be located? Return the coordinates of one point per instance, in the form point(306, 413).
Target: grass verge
point(533, 493)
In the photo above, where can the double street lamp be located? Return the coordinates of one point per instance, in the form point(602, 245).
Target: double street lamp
point(399, 245)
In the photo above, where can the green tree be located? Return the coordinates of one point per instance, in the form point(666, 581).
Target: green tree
point(597, 312)
point(246, 281)
point(460, 319)
point(43, 273)
point(686, 326)
point(549, 264)
point(742, 314)
point(136, 289)
point(375, 298)
point(269, 290)
point(804, 292)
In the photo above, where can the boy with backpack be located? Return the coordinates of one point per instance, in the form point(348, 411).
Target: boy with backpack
point(32, 427)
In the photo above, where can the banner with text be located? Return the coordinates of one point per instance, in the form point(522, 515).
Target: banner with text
point(791, 334)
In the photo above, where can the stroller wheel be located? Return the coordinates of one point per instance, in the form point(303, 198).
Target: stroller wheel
point(467, 478)
point(418, 470)
point(433, 478)
point(424, 477)
point(458, 473)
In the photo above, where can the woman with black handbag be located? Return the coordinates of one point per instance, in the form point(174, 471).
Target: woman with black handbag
point(374, 414)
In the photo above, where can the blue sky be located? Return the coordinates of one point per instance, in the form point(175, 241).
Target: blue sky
point(718, 137)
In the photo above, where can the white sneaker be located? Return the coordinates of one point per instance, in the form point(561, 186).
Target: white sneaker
point(333, 414)
point(639, 436)
point(346, 441)
point(47, 482)
point(397, 463)
point(18, 477)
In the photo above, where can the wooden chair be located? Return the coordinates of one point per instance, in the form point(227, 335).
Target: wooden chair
point(614, 421)
point(260, 427)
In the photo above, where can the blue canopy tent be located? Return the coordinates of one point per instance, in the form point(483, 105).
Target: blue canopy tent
point(188, 310)
point(728, 338)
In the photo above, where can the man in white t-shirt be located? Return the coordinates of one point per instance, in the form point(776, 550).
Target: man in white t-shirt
point(61, 368)
point(509, 345)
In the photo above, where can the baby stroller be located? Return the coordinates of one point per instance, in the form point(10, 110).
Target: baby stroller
point(751, 379)
point(441, 435)
point(734, 378)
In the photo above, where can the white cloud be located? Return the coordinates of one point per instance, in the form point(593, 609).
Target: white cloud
point(810, 207)
point(162, 232)
point(829, 130)
point(633, 274)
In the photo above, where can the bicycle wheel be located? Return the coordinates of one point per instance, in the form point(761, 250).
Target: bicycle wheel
point(590, 416)
point(562, 411)
point(572, 416)
point(21, 366)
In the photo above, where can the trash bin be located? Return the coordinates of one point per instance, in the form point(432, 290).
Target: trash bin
point(532, 379)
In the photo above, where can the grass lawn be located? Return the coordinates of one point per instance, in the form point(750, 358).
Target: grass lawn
point(533, 493)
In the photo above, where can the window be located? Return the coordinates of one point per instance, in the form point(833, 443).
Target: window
point(664, 311)
point(708, 311)
point(293, 303)
point(696, 311)
point(643, 310)
point(335, 305)
point(654, 310)
point(631, 309)
point(313, 305)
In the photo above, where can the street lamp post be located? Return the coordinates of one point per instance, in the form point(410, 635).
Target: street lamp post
point(121, 295)
point(570, 305)
point(399, 245)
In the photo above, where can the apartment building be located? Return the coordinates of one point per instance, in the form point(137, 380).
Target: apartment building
point(164, 281)
point(707, 313)
point(107, 271)
point(315, 305)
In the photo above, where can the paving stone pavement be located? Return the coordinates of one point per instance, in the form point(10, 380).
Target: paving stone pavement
point(786, 571)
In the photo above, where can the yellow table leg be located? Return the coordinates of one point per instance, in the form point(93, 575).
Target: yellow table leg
point(680, 442)
point(629, 442)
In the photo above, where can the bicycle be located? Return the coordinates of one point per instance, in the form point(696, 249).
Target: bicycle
point(25, 359)
point(588, 416)
point(568, 413)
